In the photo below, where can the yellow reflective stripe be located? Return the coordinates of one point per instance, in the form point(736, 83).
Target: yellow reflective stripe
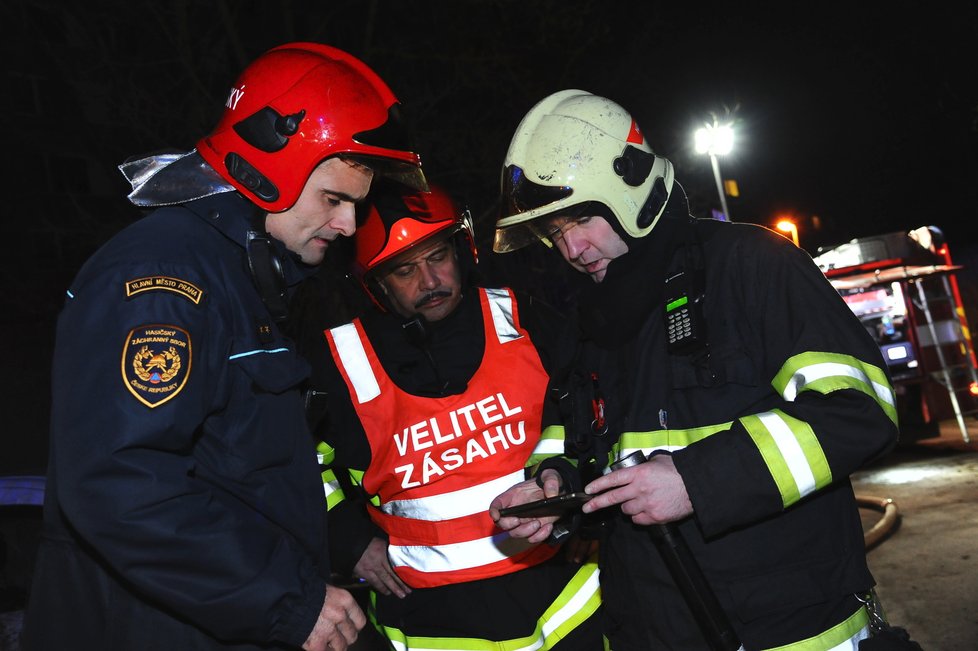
point(841, 637)
point(791, 452)
point(332, 489)
point(325, 453)
point(551, 444)
point(663, 439)
point(356, 476)
point(828, 372)
point(578, 600)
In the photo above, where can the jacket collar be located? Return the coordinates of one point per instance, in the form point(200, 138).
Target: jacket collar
point(234, 216)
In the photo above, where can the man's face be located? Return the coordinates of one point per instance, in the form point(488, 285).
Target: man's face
point(589, 244)
point(324, 210)
point(426, 281)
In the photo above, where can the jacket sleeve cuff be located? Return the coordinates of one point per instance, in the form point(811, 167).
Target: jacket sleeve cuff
point(727, 482)
point(570, 478)
point(298, 614)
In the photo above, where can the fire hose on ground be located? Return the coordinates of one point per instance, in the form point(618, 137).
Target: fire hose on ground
point(875, 534)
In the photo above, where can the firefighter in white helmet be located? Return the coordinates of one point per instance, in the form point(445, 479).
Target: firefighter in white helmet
point(722, 353)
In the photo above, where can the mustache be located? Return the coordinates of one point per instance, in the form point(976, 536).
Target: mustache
point(430, 296)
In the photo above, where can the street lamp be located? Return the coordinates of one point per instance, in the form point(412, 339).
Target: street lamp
point(790, 227)
point(716, 140)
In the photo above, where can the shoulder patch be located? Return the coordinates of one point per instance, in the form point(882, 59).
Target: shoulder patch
point(156, 363)
point(164, 283)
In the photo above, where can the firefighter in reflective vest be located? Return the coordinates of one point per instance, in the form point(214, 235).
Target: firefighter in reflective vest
point(721, 350)
point(435, 400)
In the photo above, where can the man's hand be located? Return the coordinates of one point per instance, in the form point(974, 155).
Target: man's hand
point(338, 623)
point(651, 493)
point(535, 530)
point(374, 567)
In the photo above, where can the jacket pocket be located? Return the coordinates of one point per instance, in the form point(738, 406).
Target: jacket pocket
point(723, 365)
point(264, 423)
point(272, 370)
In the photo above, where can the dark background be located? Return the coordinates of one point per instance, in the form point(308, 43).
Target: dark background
point(862, 114)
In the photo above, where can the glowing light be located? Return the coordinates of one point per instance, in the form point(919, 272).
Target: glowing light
point(788, 226)
point(714, 139)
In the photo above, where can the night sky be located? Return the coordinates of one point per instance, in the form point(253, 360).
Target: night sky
point(864, 114)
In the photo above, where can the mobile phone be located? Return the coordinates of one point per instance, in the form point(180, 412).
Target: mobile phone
point(557, 505)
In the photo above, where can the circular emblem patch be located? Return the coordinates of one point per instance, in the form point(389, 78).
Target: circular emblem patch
point(156, 363)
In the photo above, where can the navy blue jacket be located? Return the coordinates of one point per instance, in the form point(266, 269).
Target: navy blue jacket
point(184, 508)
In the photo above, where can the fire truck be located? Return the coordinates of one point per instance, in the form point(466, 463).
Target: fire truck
point(904, 288)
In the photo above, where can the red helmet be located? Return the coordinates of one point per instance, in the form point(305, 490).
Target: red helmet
point(397, 221)
point(297, 105)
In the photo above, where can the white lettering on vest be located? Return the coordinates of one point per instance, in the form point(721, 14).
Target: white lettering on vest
point(506, 410)
point(472, 424)
point(499, 438)
point(486, 406)
point(452, 458)
point(419, 434)
point(406, 479)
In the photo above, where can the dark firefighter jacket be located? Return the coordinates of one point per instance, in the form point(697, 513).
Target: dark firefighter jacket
point(437, 359)
point(183, 505)
point(765, 425)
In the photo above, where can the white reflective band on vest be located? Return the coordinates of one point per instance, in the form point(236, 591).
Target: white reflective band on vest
point(457, 556)
point(815, 372)
point(354, 358)
point(501, 307)
point(457, 504)
point(790, 449)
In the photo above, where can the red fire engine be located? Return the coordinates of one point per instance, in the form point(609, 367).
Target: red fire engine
point(904, 289)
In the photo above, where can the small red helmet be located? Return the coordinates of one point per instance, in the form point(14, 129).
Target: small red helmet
point(297, 105)
point(397, 221)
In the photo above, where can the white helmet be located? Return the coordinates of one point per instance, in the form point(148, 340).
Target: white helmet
point(571, 149)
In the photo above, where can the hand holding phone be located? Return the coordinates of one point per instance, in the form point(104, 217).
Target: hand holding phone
point(557, 505)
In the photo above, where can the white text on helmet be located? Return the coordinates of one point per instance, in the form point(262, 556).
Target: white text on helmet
point(234, 97)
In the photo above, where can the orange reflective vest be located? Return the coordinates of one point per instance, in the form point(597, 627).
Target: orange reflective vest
point(436, 463)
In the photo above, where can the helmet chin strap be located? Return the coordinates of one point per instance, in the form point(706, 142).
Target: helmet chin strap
point(415, 329)
point(266, 269)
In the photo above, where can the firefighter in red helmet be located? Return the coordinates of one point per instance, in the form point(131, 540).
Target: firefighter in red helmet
point(435, 397)
point(181, 511)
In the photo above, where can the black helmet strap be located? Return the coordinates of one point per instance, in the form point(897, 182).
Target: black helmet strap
point(265, 266)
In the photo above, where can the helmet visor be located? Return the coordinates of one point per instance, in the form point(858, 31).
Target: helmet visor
point(407, 174)
point(525, 203)
point(388, 153)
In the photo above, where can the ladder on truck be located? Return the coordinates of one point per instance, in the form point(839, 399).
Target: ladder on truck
point(945, 375)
